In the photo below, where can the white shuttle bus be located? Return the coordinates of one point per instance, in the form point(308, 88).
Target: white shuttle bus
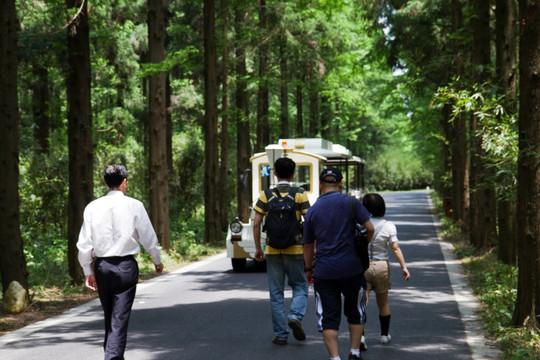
point(311, 157)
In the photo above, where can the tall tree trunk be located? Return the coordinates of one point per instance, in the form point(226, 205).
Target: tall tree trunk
point(283, 89)
point(326, 117)
point(169, 124)
point(313, 104)
point(243, 151)
point(447, 156)
point(81, 154)
point(506, 61)
point(12, 260)
point(211, 173)
point(40, 101)
point(158, 163)
point(527, 310)
point(263, 126)
point(224, 143)
point(299, 109)
point(483, 228)
point(458, 139)
point(460, 173)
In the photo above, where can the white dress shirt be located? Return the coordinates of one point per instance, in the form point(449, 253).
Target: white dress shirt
point(114, 225)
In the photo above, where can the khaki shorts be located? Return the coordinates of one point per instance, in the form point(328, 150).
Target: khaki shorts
point(378, 276)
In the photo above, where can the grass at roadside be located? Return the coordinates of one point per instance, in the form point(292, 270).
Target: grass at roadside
point(54, 299)
point(495, 286)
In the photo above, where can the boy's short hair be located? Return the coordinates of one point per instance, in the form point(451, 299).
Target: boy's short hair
point(114, 175)
point(284, 168)
point(374, 203)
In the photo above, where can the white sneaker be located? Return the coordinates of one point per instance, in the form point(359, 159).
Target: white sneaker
point(386, 339)
point(363, 346)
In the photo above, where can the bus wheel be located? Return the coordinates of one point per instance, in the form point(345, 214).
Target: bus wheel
point(239, 265)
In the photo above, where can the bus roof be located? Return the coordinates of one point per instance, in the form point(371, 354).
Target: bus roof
point(321, 147)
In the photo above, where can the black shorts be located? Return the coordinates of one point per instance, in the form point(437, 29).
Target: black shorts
point(328, 301)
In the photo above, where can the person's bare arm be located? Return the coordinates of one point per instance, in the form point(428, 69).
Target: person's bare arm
point(259, 253)
point(370, 230)
point(399, 256)
point(308, 260)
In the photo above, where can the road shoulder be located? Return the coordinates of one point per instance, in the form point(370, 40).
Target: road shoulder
point(482, 347)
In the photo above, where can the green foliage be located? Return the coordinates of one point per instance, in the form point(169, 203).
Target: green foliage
point(181, 58)
point(398, 169)
point(496, 287)
point(187, 211)
point(186, 186)
point(187, 238)
point(497, 128)
point(46, 259)
point(43, 217)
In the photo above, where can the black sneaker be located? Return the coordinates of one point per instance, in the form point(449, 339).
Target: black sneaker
point(355, 357)
point(298, 329)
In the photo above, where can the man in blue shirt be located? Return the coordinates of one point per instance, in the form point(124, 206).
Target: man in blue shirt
point(336, 268)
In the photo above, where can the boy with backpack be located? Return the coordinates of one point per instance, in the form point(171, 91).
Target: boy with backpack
point(283, 208)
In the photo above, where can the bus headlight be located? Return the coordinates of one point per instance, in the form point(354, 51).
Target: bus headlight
point(236, 230)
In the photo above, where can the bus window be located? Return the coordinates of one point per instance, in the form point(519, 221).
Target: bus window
point(265, 176)
point(302, 176)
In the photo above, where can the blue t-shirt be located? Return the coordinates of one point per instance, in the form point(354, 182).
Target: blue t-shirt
point(330, 223)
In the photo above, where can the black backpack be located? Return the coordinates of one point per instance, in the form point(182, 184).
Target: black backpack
point(360, 238)
point(282, 227)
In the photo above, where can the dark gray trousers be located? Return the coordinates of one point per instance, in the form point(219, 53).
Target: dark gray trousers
point(116, 279)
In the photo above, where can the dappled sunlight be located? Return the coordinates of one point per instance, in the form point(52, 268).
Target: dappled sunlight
point(430, 348)
point(417, 296)
point(419, 265)
point(413, 224)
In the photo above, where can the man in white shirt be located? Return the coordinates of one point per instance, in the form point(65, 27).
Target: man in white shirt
point(113, 227)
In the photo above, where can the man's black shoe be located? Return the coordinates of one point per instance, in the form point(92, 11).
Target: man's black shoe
point(298, 329)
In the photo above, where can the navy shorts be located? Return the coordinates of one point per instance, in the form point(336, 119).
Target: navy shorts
point(328, 294)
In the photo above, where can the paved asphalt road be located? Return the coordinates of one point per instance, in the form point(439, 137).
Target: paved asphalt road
point(206, 311)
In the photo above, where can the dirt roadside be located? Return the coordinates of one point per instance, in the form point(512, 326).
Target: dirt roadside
point(45, 305)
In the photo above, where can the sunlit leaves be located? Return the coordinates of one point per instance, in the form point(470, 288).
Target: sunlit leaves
point(496, 127)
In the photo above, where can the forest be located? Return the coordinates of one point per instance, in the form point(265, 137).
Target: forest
point(438, 93)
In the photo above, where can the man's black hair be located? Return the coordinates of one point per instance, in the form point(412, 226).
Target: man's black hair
point(115, 174)
point(374, 203)
point(284, 168)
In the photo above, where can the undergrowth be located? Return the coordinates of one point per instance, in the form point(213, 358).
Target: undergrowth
point(495, 286)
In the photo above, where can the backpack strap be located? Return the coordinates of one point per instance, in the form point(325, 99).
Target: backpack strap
point(353, 207)
point(274, 193)
point(292, 193)
point(270, 194)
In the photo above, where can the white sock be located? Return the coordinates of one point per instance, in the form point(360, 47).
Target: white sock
point(355, 352)
point(335, 358)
